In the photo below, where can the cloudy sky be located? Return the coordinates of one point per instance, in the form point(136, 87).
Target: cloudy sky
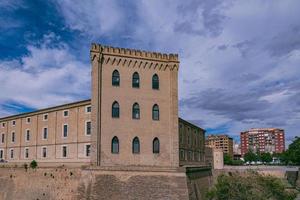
point(240, 60)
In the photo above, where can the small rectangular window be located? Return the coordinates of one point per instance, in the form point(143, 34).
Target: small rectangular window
point(1, 154)
point(44, 152)
point(88, 109)
point(27, 135)
point(13, 137)
point(45, 117)
point(13, 123)
point(65, 130)
point(87, 150)
point(11, 153)
point(64, 151)
point(45, 133)
point(66, 113)
point(2, 137)
point(3, 124)
point(26, 153)
point(88, 128)
point(28, 120)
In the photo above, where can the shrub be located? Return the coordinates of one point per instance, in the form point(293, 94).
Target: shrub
point(249, 186)
point(33, 164)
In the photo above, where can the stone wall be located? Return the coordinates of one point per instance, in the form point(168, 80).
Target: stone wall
point(76, 183)
point(199, 180)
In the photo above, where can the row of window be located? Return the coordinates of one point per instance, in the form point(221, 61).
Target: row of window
point(115, 111)
point(135, 80)
point(186, 155)
point(115, 145)
point(65, 132)
point(88, 109)
point(44, 152)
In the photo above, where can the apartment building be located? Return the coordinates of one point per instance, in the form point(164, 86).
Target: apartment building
point(223, 142)
point(261, 140)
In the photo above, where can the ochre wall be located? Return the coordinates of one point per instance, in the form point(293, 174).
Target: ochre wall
point(75, 183)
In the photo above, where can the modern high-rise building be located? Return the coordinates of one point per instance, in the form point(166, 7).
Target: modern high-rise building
point(261, 140)
point(223, 142)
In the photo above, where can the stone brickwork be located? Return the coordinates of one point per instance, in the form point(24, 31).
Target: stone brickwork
point(105, 60)
point(75, 183)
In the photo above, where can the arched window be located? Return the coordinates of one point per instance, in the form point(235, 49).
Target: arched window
point(155, 82)
point(115, 78)
point(115, 111)
point(135, 80)
point(136, 145)
point(155, 145)
point(115, 145)
point(136, 111)
point(155, 112)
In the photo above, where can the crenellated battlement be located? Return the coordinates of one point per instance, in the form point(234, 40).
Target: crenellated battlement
point(133, 53)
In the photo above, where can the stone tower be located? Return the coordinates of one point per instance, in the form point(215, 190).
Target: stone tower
point(130, 94)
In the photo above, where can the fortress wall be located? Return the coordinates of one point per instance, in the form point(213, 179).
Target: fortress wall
point(76, 183)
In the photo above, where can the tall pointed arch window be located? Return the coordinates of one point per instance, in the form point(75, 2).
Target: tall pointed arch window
point(155, 112)
point(135, 80)
point(115, 145)
point(155, 145)
point(135, 111)
point(136, 145)
point(115, 78)
point(115, 110)
point(155, 82)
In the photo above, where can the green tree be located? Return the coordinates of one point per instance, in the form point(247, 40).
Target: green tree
point(250, 156)
point(227, 159)
point(293, 152)
point(266, 157)
point(33, 164)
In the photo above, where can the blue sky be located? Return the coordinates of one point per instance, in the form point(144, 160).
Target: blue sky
point(239, 59)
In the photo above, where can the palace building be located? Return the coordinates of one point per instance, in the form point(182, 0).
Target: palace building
point(130, 120)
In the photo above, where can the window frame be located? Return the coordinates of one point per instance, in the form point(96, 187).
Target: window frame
point(25, 153)
point(2, 138)
point(63, 131)
point(155, 148)
point(86, 152)
point(136, 141)
point(115, 138)
point(2, 154)
point(86, 127)
point(13, 137)
point(115, 83)
point(62, 151)
point(45, 117)
point(153, 116)
point(27, 133)
point(135, 80)
point(43, 137)
point(155, 83)
point(136, 111)
point(42, 152)
point(66, 111)
point(87, 109)
point(114, 109)
point(28, 120)
point(11, 153)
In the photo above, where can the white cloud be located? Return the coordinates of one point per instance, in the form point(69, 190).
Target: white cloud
point(94, 18)
point(45, 77)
